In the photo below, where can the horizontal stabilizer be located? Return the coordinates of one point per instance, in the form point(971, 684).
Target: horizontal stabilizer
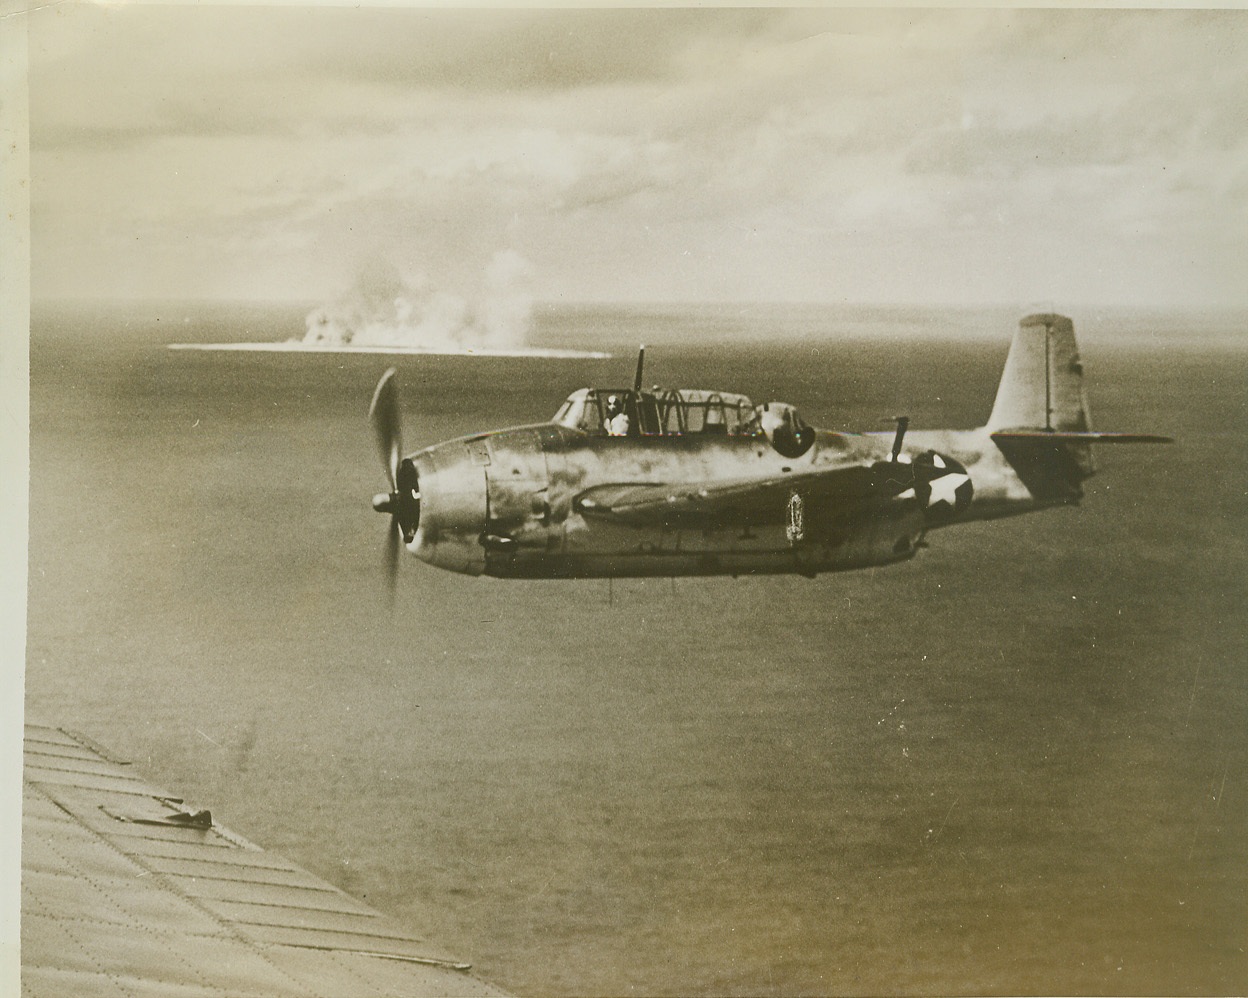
point(1082, 437)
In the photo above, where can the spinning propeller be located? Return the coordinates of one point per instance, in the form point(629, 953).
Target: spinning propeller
point(402, 502)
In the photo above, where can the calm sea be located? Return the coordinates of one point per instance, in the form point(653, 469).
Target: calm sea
point(1017, 764)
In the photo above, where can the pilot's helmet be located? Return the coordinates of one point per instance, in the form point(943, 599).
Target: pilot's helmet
point(614, 405)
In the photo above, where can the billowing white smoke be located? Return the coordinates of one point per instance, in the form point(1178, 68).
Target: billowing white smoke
point(385, 310)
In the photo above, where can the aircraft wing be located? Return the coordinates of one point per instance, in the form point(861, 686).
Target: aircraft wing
point(743, 502)
point(126, 890)
point(1082, 437)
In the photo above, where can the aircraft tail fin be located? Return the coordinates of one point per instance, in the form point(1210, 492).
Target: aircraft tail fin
point(1040, 419)
point(1042, 385)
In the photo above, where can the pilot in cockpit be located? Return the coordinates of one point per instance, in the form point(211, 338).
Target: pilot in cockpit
point(616, 423)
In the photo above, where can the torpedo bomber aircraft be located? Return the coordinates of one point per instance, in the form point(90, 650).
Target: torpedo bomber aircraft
point(626, 482)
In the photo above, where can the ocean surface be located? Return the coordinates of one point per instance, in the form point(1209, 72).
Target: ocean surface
point(1017, 764)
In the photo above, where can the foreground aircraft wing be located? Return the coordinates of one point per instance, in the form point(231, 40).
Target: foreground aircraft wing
point(1082, 437)
point(126, 890)
point(745, 502)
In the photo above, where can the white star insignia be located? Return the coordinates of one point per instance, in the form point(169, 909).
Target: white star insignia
point(944, 488)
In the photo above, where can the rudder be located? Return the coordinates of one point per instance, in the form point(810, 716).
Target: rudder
point(1042, 384)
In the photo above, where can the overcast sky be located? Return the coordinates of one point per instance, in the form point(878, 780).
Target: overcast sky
point(991, 156)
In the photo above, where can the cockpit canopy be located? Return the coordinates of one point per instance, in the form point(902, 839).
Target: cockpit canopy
point(677, 412)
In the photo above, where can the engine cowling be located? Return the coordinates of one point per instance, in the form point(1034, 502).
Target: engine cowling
point(453, 507)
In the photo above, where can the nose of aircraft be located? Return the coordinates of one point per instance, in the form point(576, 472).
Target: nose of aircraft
point(404, 502)
point(453, 505)
point(437, 499)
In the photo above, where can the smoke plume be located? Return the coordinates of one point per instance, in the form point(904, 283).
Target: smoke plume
point(384, 309)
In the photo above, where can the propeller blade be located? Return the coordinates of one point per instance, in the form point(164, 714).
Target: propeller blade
point(387, 425)
point(402, 501)
point(394, 542)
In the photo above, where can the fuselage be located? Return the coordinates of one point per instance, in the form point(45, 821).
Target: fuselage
point(502, 503)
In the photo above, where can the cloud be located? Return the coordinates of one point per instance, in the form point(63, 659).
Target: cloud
point(620, 151)
point(104, 74)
